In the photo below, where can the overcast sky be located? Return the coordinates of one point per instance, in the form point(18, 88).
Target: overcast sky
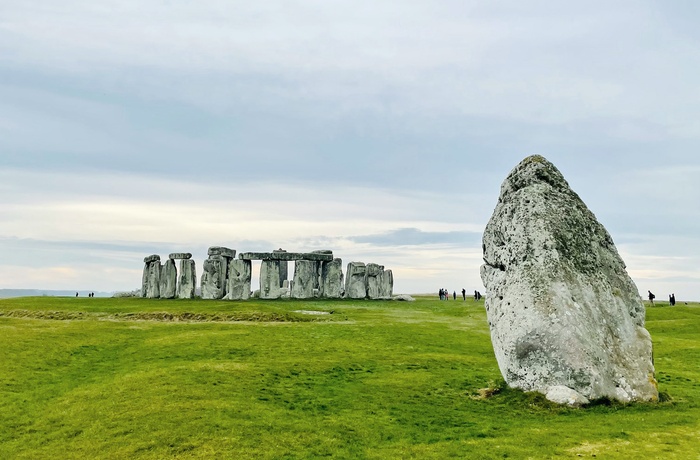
point(380, 130)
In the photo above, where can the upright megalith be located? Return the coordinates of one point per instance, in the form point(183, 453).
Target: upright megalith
point(386, 284)
point(215, 272)
point(356, 280)
point(305, 273)
point(566, 319)
point(284, 268)
point(187, 279)
point(150, 286)
point(270, 286)
point(239, 276)
point(374, 273)
point(168, 280)
point(331, 285)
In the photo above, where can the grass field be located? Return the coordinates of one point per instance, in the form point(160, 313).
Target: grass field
point(137, 378)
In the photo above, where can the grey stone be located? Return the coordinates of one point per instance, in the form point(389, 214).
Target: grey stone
point(187, 279)
point(151, 258)
point(304, 274)
point(269, 279)
point(356, 281)
point(289, 256)
point(374, 272)
point(331, 286)
point(403, 298)
point(284, 268)
point(239, 275)
point(180, 255)
point(214, 277)
point(562, 310)
point(222, 251)
point(151, 279)
point(386, 284)
point(565, 395)
point(168, 280)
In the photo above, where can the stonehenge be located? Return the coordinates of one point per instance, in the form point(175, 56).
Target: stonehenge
point(317, 274)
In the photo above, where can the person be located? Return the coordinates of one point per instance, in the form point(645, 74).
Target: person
point(454, 295)
point(651, 297)
point(478, 295)
point(464, 294)
point(76, 294)
point(672, 299)
point(441, 293)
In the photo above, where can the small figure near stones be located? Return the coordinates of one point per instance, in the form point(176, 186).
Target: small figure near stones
point(478, 295)
point(454, 295)
point(672, 299)
point(76, 294)
point(464, 294)
point(651, 297)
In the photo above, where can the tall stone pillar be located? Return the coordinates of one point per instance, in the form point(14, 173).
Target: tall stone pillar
point(284, 268)
point(239, 275)
point(215, 270)
point(270, 286)
point(168, 280)
point(331, 285)
point(187, 281)
point(356, 281)
point(386, 285)
point(150, 288)
point(304, 276)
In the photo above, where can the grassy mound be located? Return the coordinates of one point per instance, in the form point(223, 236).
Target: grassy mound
point(136, 378)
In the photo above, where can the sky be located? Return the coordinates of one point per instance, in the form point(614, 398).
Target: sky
point(380, 130)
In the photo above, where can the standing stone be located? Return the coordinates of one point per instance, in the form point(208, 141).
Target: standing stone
point(356, 281)
point(332, 279)
point(566, 320)
point(304, 275)
point(214, 277)
point(239, 274)
point(168, 280)
point(386, 285)
point(270, 279)
point(374, 273)
point(150, 288)
point(187, 279)
point(215, 272)
point(284, 268)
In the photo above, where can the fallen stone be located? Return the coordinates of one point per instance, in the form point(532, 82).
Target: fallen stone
point(356, 281)
point(180, 255)
point(168, 280)
point(404, 298)
point(187, 279)
point(562, 310)
point(564, 395)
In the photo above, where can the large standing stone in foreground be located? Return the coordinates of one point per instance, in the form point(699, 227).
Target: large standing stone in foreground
point(562, 310)
point(168, 280)
point(239, 275)
point(150, 283)
point(356, 280)
point(305, 272)
point(269, 279)
point(187, 279)
point(332, 279)
point(214, 277)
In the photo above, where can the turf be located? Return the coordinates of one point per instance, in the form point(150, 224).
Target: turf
point(137, 378)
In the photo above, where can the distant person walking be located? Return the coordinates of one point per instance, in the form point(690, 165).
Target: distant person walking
point(672, 299)
point(454, 295)
point(464, 294)
point(651, 297)
point(76, 294)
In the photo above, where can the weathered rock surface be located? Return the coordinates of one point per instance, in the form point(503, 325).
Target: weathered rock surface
point(239, 275)
point(304, 275)
point(187, 279)
point(285, 256)
point(403, 298)
point(221, 251)
point(150, 286)
point(284, 268)
point(374, 273)
point(180, 255)
point(386, 284)
point(356, 280)
point(168, 280)
point(214, 277)
point(269, 279)
point(331, 286)
point(562, 310)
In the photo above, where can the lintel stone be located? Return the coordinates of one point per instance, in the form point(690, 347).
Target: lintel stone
point(286, 256)
point(180, 255)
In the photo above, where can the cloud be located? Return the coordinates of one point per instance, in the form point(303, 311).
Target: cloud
point(416, 237)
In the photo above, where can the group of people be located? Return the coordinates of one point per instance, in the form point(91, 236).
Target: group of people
point(90, 294)
point(445, 294)
point(671, 298)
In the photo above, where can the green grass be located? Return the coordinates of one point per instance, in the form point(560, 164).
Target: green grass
point(136, 378)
